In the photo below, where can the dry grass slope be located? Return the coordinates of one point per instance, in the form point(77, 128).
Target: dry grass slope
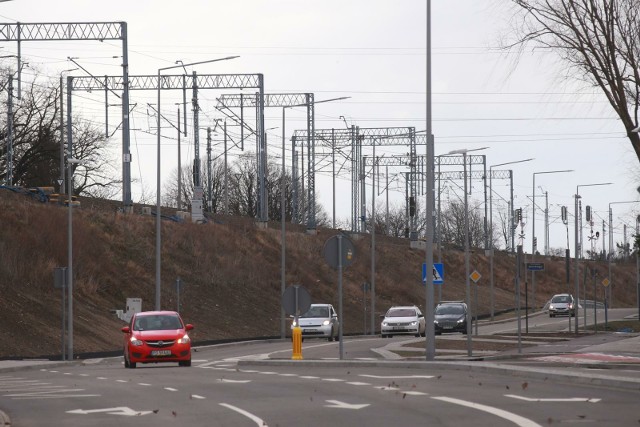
point(230, 270)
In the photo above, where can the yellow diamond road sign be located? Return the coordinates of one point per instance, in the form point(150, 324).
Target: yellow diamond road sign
point(605, 282)
point(475, 276)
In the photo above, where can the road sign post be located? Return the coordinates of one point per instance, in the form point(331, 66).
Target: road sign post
point(475, 276)
point(339, 252)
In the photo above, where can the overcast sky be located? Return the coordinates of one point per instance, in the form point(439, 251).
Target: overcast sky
point(374, 52)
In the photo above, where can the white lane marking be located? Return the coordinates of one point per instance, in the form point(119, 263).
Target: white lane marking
point(196, 396)
point(25, 382)
point(42, 393)
point(224, 380)
point(170, 389)
point(344, 405)
point(357, 383)
point(84, 375)
point(396, 376)
point(122, 381)
point(206, 365)
point(68, 373)
point(268, 373)
point(31, 387)
point(219, 369)
point(65, 396)
point(333, 379)
point(552, 399)
point(144, 384)
point(249, 415)
point(289, 375)
point(102, 378)
point(121, 410)
point(309, 377)
point(509, 416)
point(415, 393)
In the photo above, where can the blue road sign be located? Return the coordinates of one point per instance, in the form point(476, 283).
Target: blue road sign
point(438, 273)
point(535, 266)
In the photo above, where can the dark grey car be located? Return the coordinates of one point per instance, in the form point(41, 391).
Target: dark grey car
point(450, 317)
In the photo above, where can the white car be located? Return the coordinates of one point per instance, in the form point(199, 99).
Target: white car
point(562, 304)
point(321, 320)
point(403, 320)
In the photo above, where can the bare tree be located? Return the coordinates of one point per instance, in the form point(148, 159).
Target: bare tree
point(598, 39)
point(36, 146)
point(453, 225)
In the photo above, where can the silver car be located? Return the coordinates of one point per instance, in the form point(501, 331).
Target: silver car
point(321, 321)
point(403, 320)
point(562, 304)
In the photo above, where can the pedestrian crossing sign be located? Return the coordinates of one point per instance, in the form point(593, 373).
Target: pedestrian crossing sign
point(438, 273)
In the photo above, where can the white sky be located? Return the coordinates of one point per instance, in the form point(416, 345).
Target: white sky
point(375, 52)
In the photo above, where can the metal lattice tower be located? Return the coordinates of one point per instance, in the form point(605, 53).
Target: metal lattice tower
point(355, 139)
point(282, 100)
point(68, 31)
point(196, 82)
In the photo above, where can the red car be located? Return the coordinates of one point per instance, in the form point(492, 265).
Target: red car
point(157, 336)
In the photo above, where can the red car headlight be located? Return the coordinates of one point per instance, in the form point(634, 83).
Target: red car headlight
point(135, 341)
point(184, 340)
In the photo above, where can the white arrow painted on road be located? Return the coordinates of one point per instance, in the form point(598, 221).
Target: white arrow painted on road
point(344, 405)
point(566, 399)
point(121, 410)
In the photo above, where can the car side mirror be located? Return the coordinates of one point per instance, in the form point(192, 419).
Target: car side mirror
point(421, 315)
point(125, 329)
point(188, 327)
point(382, 316)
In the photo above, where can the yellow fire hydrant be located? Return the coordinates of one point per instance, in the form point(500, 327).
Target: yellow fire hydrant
point(296, 339)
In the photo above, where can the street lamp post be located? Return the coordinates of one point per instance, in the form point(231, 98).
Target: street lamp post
point(491, 273)
point(158, 181)
point(611, 247)
point(534, 243)
point(61, 180)
point(637, 265)
point(70, 161)
point(283, 211)
point(467, 268)
point(577, 248)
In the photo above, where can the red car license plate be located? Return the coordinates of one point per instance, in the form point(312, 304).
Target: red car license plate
point(161, 352)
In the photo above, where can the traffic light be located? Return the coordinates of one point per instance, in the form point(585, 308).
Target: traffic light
point(412, 206)
point(563, 211)
point(588, 213)
point(519, 215)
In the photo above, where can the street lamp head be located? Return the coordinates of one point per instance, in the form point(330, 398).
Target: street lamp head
point(466, 150)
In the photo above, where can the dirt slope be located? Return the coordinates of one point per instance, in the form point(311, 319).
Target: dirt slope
point(230, 270)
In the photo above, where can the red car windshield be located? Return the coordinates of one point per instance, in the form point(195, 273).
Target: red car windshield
point(158, 322)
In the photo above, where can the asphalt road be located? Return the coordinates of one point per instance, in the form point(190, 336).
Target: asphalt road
point(215, 391)
point(256, 384)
